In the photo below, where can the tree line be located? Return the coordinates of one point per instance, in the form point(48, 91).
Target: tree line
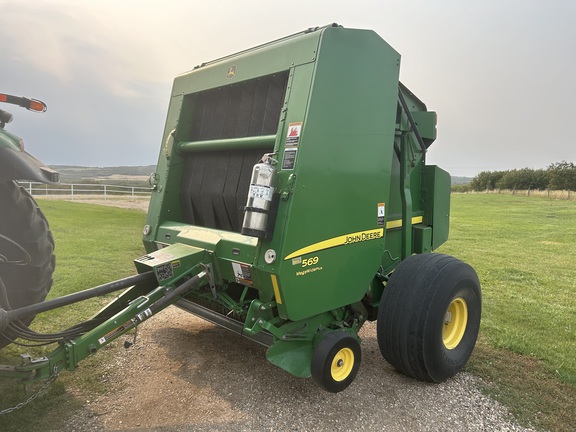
point(557, 176)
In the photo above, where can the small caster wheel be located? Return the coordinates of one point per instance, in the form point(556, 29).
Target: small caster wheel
point(336, 361)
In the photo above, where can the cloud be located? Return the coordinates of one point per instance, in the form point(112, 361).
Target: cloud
point(66, 40)
point(499, 75)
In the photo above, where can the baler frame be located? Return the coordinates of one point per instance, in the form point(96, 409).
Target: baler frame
point(302, 288)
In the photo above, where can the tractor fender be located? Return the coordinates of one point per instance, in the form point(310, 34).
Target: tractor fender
point(17, 164)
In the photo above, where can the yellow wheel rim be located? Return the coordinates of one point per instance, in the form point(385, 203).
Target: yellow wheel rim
point(455, 321)
point(342, 364)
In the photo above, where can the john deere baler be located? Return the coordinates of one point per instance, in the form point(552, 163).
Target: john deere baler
point(292, 204)
point(295, 171)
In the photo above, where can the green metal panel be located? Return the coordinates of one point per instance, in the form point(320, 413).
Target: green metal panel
point(426, 121)
point(436, 184)
point(422, 236)
point(171, 263)
point(342, 171)
point(9, 140)
point(164, 202)
point(260, 61)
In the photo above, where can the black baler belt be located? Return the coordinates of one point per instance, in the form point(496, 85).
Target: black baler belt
point(229, 194)
point(221, 213)
point(210, 186)
point(215, 187)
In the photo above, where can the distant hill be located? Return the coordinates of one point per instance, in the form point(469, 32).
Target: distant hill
point(461, 180)
point(121, 175)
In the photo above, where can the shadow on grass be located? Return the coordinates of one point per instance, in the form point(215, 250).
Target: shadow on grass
point(532, 393)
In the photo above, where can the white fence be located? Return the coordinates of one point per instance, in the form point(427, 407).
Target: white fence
point(96, 190)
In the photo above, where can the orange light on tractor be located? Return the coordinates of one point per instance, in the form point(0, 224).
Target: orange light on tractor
point(36, 105)
point(3, 97)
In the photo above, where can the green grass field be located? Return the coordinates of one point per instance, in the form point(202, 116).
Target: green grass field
point(523, 249)
point(94, 245)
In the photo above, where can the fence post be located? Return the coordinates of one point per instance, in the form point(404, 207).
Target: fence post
point(72, 191)
point(132, 191)
point(105, 193)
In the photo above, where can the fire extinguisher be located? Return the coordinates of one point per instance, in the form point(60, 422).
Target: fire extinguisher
point(261, 197)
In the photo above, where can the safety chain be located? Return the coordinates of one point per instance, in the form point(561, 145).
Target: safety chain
point(49, 381)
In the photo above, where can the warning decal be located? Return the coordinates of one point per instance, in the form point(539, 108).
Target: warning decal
point(293, 135)
point(289, 159)
point(164, 272)
point(242, 273)
point(381, 213)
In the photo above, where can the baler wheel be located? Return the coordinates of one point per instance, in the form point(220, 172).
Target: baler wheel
point(336, 361)
point(24, 228)
point(429, 316)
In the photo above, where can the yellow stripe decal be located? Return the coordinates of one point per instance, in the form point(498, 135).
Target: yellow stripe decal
point(276, 288)
point(339, 241)
point(398, 222)
point(394, 224)
point(356, 237)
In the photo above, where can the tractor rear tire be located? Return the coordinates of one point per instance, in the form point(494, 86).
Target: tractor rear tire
point(24, 224)
point(336, 360)
point(429, 316)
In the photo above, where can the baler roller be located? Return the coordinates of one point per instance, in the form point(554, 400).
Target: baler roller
point(256, 142)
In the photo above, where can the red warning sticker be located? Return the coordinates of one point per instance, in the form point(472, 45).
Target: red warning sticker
point(293, 135)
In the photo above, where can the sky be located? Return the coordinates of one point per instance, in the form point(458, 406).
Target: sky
point(501, 74)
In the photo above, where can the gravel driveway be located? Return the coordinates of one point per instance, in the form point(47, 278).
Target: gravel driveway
point(185, 374)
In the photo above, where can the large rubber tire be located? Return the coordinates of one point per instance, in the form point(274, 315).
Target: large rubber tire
point(22, 221)
point(429, 316)
point(336, 360)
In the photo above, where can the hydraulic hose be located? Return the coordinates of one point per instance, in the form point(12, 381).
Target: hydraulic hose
point(9, 316)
